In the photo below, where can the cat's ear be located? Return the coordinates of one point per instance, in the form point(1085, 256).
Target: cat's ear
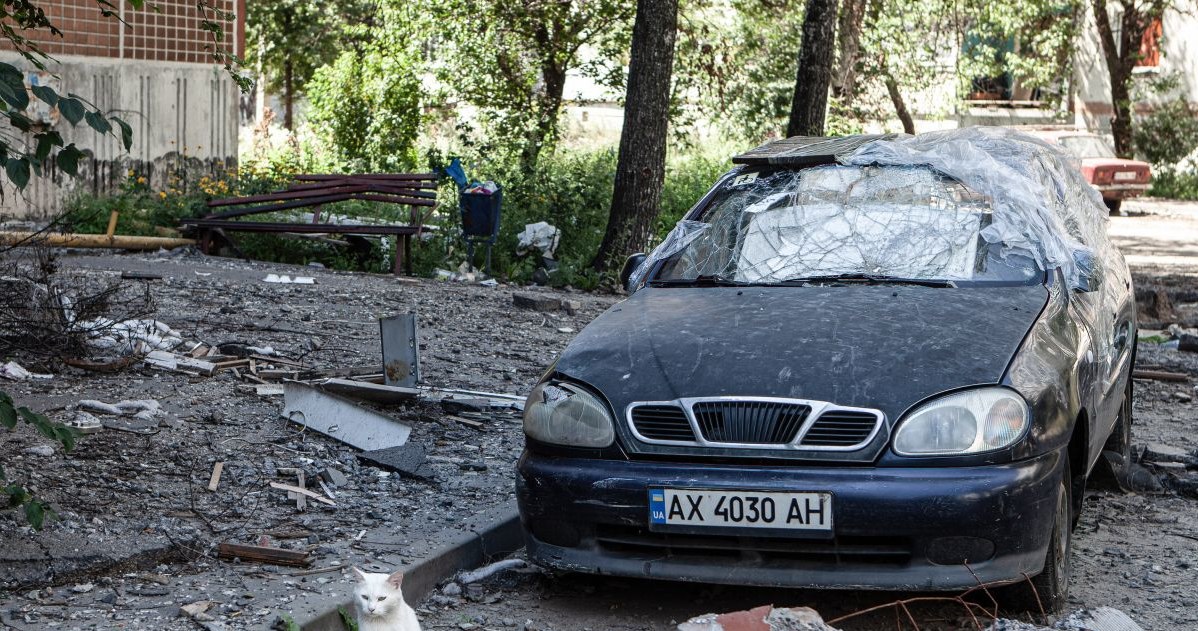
point(361, 575)
point(395, 579)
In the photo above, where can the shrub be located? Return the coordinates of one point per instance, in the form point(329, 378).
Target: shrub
point(1169, 134)
point(1175, 184)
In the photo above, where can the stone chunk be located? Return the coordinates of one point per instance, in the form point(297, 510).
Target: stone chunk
point(407, 460)
point(536, 302)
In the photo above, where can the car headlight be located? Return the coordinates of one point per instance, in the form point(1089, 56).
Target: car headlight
point(966, 422)
point(565, 414)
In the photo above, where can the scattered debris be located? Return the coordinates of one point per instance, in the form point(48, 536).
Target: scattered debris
point(1159, 375)
point(536, 302)
point(288, 280)
point(179, 363)
point(764, 618)
point(214, 480)
point(484, 572)
point(263, 554)
point(401, 356)
point(341, 419)
point(365, 391)
point(407, 460)
point(302, 491)
point(45, 451)
point(539, 236)
point(16, 372)
point(84, 423)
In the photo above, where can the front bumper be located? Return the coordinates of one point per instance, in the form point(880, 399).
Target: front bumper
point(894, 528)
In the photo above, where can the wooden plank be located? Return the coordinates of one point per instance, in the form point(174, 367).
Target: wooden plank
point(301, 501)
point(277, 360)
point(263, 554)
point(467, 422)
point(1160, 375)
point(295, 489)
point(214, 481)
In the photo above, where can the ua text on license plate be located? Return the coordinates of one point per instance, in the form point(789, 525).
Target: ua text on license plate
point(743, 509)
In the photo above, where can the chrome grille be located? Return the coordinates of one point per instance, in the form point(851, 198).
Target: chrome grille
point(764, 423)
point(750, 422)
point(662, 422)
point(839, 429)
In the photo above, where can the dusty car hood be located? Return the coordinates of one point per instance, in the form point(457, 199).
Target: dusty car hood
point(884, 347)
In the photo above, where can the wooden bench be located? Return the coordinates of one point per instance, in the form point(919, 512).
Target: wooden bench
point(414, 190)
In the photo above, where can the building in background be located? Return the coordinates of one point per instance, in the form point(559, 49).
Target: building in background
point(156, 72)
point(1167, 51)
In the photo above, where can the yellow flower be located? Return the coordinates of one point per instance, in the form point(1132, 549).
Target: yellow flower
point(161, 194)
point(141, 180)
point(130, 172)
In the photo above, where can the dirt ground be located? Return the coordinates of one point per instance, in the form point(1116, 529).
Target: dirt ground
point(138, 529)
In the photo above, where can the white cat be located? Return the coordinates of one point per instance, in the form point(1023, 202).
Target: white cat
point(380, 603)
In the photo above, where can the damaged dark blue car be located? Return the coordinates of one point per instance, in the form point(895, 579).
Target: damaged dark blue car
point(863, 362)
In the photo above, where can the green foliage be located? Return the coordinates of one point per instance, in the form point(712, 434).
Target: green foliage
point(295, 37)
point(1175, 184)
point(365, 110)
point(737, 67)
point(570, 189)
point(351, 624)
point(510, 60)
point(1169, 134)
point(36, 511)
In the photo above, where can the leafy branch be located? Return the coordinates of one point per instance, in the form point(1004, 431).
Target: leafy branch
point(36, 510)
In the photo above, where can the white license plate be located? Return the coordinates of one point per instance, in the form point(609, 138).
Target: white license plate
point(1125, 175)
point(741, 509)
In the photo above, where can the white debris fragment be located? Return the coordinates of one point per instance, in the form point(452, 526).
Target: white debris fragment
point(130, 336)
point(44, 451)
point(262, 350)
point(84, 423)
point(481, 573)
point(538, 236)
point(141, 409)
point(288, 280)
point(83, 588)
point(17, 372)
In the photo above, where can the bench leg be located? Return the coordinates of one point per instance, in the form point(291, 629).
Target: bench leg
point(399, 254)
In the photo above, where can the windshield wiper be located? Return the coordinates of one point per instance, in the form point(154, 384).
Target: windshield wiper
point(702, 280)
point(869, 279)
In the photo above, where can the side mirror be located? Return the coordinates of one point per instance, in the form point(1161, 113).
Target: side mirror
point(630, 266)
point(1088, 270)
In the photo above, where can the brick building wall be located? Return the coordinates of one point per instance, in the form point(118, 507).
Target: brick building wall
point(170, 33)
point(156, 72)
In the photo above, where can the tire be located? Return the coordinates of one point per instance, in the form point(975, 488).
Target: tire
point(1051, 587)
point(1114, 206)
point(1116, 462)
point(1120, 439)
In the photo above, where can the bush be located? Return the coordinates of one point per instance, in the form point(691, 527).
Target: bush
point(570, 189)
point(365, 111)
point(1168, 135)
point(1174, 184)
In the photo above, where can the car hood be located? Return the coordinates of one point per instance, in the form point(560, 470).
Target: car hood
point(875, 346)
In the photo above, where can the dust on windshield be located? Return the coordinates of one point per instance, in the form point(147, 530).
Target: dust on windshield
point(1088, 146)
point(769, 227)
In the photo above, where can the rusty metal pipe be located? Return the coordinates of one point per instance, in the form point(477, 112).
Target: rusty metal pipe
point(120, 242)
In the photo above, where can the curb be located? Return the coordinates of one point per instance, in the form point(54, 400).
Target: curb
point(494, 533)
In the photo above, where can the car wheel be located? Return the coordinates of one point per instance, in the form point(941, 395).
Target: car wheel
point(1120, 439)
point(1048, 590)
point(1113, 205)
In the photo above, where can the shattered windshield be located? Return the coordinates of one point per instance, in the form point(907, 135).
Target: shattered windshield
point(874, 222)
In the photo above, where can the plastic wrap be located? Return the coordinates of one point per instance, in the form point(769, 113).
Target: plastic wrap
point(933, 206)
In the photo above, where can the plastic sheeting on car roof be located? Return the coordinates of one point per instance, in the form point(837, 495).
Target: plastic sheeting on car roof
point(1037, 205)
point(1040, 204)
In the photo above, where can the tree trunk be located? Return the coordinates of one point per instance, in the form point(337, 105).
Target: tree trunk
point(810, 102)
point(288, 94)
point(543, 132)
point(1120, 58)
point(640, 169)
point(896, 97)
point(848, 38)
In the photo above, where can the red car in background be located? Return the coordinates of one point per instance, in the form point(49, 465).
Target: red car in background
point(1115, 178)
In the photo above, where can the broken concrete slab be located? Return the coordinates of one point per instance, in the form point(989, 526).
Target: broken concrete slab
point(334, 477)
point(341, 419)
point(365, 391)
point(536, 302)
point(1157, 452)
point(408, 461)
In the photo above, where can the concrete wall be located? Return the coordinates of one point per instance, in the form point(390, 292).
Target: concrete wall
point(1179, 56)
point(174, 108)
